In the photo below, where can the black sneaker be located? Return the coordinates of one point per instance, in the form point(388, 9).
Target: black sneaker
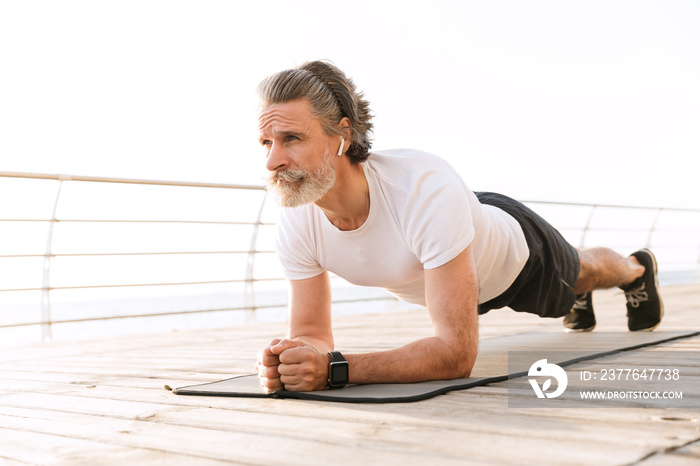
point(581, 317)
point(644, 306)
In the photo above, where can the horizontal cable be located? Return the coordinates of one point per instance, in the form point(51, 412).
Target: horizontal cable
point(85, 287)
point(203, 222)
point(613, 206)
point(102, 179)
point(630, 230)
point(99, 254)
point(654, 246)
point(197, 311)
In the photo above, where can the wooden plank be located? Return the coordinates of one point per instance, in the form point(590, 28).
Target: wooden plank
point(688, 455)
point(273, 446)
point(23, 447)
point(104, 399)
point(469, 421)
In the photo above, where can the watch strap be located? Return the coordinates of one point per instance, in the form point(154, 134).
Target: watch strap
point(338, 370)
point(336, 356)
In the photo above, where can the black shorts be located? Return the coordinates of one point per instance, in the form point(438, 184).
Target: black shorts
point(546, 284)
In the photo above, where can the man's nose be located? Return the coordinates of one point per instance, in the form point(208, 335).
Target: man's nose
point(276, 158)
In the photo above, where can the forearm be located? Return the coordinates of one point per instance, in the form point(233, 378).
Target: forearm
point(310, 312)
point(451, 297)
point(427, 359)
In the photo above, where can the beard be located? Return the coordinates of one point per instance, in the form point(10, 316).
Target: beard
point(298, 187)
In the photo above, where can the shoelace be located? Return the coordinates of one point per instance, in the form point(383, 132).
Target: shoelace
point(581, 304)
point(637, 296)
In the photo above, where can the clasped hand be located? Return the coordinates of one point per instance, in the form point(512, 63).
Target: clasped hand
point(291, 365)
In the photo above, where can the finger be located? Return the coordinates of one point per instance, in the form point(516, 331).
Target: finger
point(267, 357)
point(266, 351)
point(271, 385)
point(284, 345)
point(298, 355)
point(287, 369)
point(269, 360)
point(294, 373)
point(297, 384)
point(302, 377)
point(268, 372)
point(297, 387)
point(292, 380)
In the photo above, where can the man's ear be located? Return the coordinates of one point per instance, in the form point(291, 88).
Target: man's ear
point(345, 126)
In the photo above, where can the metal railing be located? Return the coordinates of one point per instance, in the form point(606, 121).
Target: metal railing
point(656, 213)
point(248, 303)
point(583, 225)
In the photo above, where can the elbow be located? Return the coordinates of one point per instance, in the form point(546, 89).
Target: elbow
point(461, 362)
point(455, 358)
point(457, 369)
point(464, 369)
point(465, 358)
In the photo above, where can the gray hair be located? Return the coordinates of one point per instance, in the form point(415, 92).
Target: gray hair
point(332, 96)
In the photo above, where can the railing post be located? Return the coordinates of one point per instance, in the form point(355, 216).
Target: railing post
point(249, 293)
point(46, 275)
point(586, 228)
point(653, 226)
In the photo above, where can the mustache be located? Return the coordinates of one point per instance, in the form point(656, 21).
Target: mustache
point(290, 176)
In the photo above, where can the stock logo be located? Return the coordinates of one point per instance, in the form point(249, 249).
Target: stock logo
point(541, 369)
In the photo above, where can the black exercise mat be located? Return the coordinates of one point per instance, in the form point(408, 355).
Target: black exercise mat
point(491, 367)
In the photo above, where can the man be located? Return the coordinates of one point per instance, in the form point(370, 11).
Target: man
point(404, 220)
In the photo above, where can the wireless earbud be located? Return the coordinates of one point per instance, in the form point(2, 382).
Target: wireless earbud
point(342, 144)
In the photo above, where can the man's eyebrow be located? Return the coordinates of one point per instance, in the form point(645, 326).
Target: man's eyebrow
point(299, 134)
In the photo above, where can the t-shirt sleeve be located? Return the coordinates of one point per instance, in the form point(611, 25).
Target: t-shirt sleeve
point(295, 246)
point(438, 216)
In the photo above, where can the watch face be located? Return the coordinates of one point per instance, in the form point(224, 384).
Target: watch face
point(339, 373)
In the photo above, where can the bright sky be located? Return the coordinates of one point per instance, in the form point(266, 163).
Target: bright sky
point(591, 101)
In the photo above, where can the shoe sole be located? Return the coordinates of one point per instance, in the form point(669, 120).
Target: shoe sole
point(578, 330)
point(656, 284)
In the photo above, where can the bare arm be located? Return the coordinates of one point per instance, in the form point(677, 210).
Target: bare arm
point(452, 299)
point(310, 312)
point(301, 362)
point(309, 339)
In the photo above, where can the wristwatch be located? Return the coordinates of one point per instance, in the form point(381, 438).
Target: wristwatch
point(338, 370)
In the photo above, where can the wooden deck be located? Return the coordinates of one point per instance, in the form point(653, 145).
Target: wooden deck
point(103, 402)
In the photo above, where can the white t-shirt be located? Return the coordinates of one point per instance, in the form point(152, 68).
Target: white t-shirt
point(421, 216)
